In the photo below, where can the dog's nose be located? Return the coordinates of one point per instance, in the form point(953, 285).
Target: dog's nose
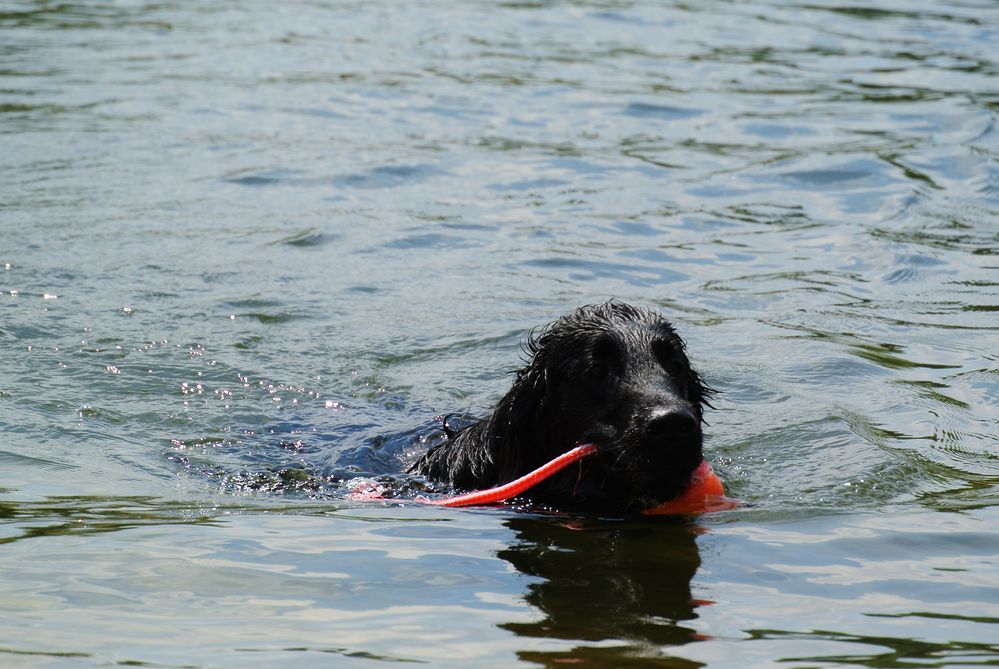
point(673, 425)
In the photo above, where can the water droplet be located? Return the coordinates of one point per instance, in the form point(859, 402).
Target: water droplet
point(87, 411)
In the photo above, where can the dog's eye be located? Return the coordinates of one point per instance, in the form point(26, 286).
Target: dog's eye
point(673, 367)
point(598, 370)
point(669, 358)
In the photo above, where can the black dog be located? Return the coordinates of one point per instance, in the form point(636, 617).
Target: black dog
point(610, 374)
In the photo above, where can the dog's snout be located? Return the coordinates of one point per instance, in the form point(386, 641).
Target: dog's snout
point(673, 425)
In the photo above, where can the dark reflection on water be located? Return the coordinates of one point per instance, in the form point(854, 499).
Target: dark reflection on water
point(594, 582)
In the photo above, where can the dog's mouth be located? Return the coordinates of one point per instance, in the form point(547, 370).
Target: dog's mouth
point(701, 491)
point(662, 473)
point(638, 473)
point(666, 481)
point(643, 465)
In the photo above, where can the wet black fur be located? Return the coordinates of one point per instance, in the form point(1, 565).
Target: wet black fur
point(611, 374)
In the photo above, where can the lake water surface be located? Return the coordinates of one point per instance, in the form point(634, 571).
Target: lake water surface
point(250, 249)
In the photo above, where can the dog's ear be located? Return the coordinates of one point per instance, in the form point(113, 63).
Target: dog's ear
point(519, 426)
point(700, 393)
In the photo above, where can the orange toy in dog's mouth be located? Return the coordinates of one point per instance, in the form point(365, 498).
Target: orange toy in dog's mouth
point(704, 493)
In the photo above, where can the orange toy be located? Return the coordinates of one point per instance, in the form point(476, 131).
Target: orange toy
point(705, 493)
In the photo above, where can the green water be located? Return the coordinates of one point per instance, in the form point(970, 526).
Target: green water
point(249, 246)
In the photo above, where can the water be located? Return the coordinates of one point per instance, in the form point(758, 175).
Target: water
point(251, 248)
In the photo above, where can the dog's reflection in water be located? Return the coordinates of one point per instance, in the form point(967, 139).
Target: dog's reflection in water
point(624, 585)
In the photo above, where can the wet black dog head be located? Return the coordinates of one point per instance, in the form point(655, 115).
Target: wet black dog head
point(616, 376)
